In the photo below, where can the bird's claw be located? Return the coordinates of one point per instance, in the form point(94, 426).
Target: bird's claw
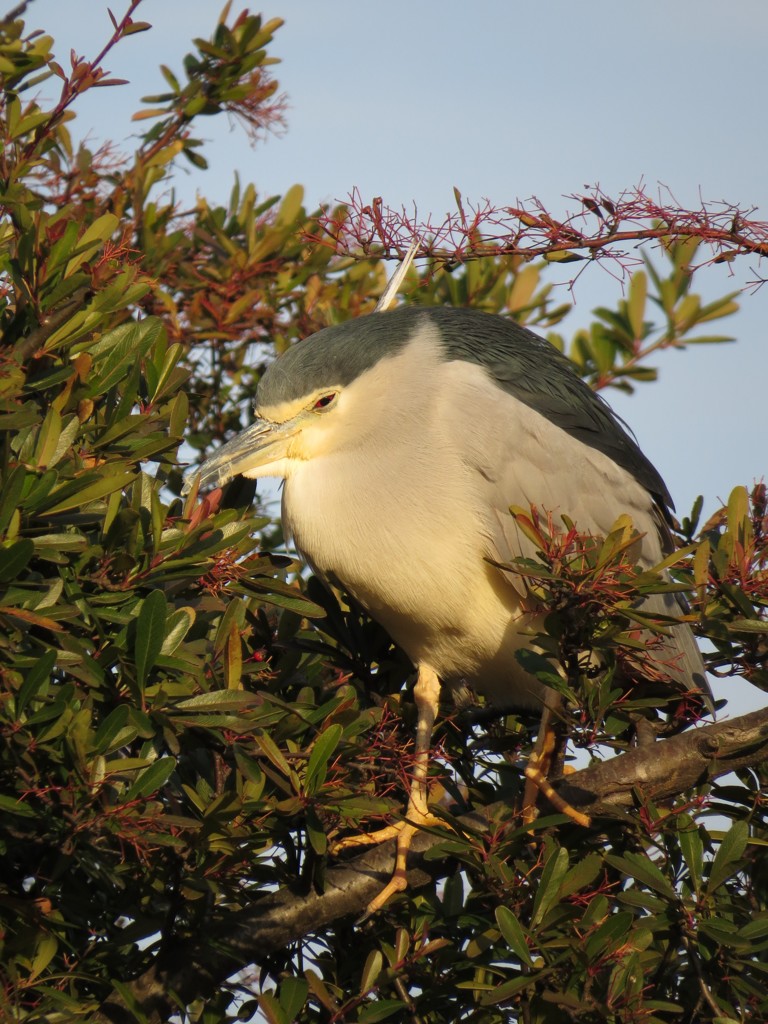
point(538, 780)
point(403, 831)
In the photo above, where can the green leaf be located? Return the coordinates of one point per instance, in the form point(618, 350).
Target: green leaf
point(150, 633)
point(641, 867)
point(47, 439)
point(730, 850)
point(738, 509)
point(177, 625)
point(232, 723)
point(692, 848)
point(233, 616)
point(293, 996)
point(540, 667)
point(151, 779)
point(130, 1000)
point(551, 877)
point(284, 596)
point(15, 558)
point(88, 487)
point(271, 1011)
point(49, 544)
point(233, 659)
point(562, 256)
point(757, 929)
point(513, 934)
point(318, 840)
point(290, 207)
point(35, 679)
point(114, 732)
point(273, 753)
point(611, 934)
point(638, 291)
point(165, 374)
point(10, 493)
point(582, 874)
point(45, 950)
point(371, 970)
point(500, 993)
point(15, 805)
point(758, 626)
point(722, 931)
point(381, 1009)
point(91, 240)
point(710, 339)
point(324, 747)
point(120, 350)
point(219, 700)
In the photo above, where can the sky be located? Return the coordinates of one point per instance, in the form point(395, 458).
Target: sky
point(506, 101)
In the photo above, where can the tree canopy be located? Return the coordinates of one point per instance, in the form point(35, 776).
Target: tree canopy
point(187, 717)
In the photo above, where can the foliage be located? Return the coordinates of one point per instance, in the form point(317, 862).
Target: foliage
point(185, 719)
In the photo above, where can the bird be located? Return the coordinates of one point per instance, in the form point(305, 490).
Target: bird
point(403, 438)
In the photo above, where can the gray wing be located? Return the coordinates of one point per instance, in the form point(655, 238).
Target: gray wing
point(532, 371)
point(520, 456)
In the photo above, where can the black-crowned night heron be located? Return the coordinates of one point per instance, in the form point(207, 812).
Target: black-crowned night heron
point(403, 439)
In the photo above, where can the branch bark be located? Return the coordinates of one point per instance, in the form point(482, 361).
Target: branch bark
point(193, 968)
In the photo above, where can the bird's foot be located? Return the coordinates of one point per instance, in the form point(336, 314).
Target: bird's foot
point(414, 819)
point(537, 781)
point(546, 758)
point(426, 694)
point(403, 831)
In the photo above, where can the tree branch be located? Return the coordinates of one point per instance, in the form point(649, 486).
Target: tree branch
point(597, 228)
point(192, 968)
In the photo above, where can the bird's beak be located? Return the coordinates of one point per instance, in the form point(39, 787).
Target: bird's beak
point(259, 451)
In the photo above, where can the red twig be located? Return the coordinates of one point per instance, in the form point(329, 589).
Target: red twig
point(598, 228)
point(84, 75)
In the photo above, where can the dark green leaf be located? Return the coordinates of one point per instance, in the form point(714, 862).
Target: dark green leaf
point(151, 779)
point(36, 678)
point(513, 934)
point(501, 993)
point(554, 870)
point(641, 867)
point(322, 750)
point(10, 494)
point(14, 559)
point(381, 1009)
point(729, 852)
point(150, 633)
point(692, 849)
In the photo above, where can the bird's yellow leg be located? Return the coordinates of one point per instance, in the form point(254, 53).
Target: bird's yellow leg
point(426, 694)
point(543, 756)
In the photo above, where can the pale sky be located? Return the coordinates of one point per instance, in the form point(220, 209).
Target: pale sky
point(507, 100)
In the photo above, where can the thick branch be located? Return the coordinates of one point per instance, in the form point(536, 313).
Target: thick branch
point(667, 769)
point(660, 771)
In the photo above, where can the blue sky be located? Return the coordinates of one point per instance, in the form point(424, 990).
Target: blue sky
point(505, 101)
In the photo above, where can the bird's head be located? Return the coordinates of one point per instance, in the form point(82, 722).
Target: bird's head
point(326, 394)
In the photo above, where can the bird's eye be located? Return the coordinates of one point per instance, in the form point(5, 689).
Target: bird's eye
point(324, 402)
